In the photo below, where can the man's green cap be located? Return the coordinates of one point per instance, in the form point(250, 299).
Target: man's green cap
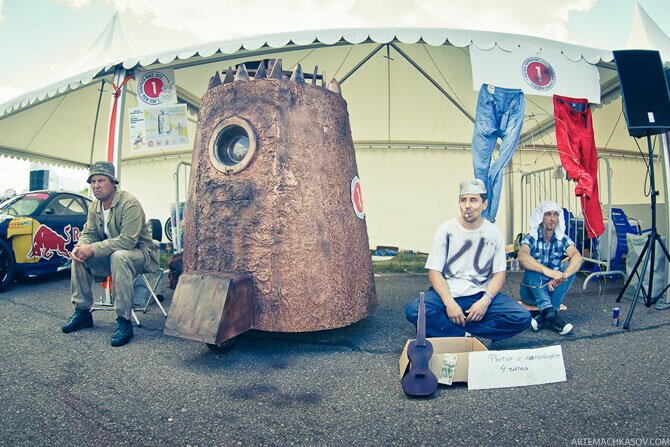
point(102, 168)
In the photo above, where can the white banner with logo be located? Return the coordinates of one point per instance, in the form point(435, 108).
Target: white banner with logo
point(156, 88)
point(156, 129)
point(546, 73)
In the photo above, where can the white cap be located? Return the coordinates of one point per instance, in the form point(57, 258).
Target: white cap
point(475, 186)
point(538, 216)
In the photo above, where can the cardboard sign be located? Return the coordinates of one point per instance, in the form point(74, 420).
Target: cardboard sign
point(521, 367)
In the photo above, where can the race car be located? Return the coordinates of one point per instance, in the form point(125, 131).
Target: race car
point(37, 232)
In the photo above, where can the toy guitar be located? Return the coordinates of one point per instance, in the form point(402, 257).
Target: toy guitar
point(419, 381)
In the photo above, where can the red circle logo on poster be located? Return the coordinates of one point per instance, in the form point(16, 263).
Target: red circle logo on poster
point(538, 73)
point(357, 197)
point(152, 88)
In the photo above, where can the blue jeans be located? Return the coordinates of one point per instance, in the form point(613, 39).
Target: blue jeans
point(499, 115)
point(503, 318)
point(534, 290)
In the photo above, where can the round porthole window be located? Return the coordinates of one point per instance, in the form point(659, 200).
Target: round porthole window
point(232, 146)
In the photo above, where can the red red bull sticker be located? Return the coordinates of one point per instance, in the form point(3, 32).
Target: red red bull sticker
point(538, 73)
point(47, 242)
point(357, 197)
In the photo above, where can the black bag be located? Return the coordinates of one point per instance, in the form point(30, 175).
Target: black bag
point(176, 266)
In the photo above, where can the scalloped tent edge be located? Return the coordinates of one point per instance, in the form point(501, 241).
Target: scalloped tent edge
point(273, 42)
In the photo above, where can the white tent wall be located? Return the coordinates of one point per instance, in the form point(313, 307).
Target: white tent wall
point(151, 181)
point(407, 193)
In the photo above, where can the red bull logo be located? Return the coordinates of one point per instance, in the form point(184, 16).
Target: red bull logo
point(46, 243)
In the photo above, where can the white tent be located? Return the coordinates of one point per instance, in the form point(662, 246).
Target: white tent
point(410, 98)
point(646, 34)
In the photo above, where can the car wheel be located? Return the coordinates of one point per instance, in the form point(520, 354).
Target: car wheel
point(168, 229)
point(7, 265)
point(156, 229)
point(224, 346)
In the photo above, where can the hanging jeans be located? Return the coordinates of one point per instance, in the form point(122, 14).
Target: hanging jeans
point(499, 115)
point(577, 150)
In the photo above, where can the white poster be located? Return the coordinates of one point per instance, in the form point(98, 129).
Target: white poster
point(157, 129)
point(156, 88)
point(520, 367)
point(545, 74)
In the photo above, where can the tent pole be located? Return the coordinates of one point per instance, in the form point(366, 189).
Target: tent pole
point(434, 82)
point(388, 92)
point(95, 122)
point(665, 157)
point(116, 118)
point(360, 64)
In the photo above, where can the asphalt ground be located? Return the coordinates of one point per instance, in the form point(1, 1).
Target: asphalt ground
point(329, 388)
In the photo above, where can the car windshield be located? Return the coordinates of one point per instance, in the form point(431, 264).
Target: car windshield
point(23, 205)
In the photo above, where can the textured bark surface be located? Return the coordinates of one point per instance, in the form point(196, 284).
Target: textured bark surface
point(287, 219)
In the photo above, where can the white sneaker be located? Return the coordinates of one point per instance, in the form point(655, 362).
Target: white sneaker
point(536, 323)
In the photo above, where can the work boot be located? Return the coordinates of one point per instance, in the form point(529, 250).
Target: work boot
point(123, 333)
point(551, 320)
point(81, 319)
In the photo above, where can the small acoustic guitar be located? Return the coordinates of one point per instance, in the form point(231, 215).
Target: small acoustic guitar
point(419, 381)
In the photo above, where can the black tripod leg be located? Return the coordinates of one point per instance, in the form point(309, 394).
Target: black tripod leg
point(648, 301)
point(632, 272)
point(626, 324)
point(664, 248)
point(667, 257)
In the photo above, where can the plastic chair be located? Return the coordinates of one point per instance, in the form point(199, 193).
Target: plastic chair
point(623, 227)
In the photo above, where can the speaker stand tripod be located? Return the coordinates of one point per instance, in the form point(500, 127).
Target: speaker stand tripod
point(648, 252)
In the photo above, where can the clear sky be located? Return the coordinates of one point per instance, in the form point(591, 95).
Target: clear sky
point(39, 37)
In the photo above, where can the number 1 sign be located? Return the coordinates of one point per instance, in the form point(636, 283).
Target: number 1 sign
point(156, 88)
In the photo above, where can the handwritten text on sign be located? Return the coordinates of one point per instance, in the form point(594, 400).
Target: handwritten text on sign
point(521, 367)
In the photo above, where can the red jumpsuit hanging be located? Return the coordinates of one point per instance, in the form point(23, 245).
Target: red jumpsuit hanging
point(577, 149)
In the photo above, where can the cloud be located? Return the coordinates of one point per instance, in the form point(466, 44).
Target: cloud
point(76, 4)
point(543, 18)
point(215, 20)
point(154, 25)
point(1, 7)
point(8, 92)
point(223, 19)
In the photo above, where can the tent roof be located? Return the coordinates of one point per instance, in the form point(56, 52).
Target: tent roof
point(112, 48)
point(112, 44)
point(646, 34)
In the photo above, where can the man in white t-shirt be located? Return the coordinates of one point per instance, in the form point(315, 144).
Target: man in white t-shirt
point(466, 268)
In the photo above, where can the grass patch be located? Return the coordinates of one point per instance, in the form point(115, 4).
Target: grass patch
point(401, 263)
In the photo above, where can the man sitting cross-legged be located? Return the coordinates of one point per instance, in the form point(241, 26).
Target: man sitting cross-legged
point(466, 268)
